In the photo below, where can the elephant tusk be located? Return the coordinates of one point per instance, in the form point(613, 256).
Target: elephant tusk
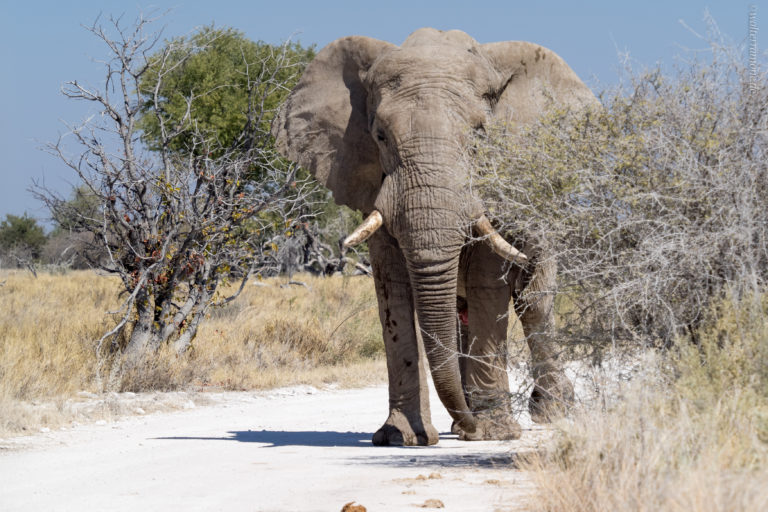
point(364, 230)
point(497, 243)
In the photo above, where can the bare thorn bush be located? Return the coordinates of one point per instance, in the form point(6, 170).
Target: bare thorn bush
point(653, 206)
point(185, 212)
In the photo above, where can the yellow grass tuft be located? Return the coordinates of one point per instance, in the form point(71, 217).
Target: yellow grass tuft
point(274, 334)
point(690, 435)
point(47, 328)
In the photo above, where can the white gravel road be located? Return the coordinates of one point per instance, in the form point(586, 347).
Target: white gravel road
point(294, 449)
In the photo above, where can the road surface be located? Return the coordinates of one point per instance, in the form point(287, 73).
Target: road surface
point(293, 449)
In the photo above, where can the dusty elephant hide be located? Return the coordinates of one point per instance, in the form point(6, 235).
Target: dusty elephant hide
point(383, 127)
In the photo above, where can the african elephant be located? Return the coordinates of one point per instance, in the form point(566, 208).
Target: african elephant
point(383, 126)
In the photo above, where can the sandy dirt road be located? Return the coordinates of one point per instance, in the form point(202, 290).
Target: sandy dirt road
point(294, 449)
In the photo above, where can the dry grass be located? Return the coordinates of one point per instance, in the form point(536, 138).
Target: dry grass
point(690, 434)
point(271, 336)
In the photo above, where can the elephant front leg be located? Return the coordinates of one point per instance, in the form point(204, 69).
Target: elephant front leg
point(484, 360)
point(409, 422)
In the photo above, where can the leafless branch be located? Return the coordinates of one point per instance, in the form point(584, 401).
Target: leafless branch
point(175, 225)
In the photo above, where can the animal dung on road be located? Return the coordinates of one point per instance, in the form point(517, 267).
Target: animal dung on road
point(351, 507)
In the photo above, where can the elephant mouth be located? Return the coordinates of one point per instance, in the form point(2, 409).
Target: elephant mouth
point(482, 227)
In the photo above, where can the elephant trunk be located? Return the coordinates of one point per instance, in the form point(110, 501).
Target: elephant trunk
point(427, 219)
point(434, 286)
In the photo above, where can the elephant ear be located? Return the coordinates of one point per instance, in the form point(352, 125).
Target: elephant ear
point(533, 78)
point(323, 125)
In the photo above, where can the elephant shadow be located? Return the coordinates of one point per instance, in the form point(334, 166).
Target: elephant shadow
point(414, 457)
point(278, 438)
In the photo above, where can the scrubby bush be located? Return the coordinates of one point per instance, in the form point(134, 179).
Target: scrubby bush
point(653, 205)
point(204, 199)
point(691, 433)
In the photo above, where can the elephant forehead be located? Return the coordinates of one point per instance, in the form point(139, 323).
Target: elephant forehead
point(431, 36)
point(436, 62)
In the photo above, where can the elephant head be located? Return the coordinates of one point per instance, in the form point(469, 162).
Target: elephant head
point(383, 126)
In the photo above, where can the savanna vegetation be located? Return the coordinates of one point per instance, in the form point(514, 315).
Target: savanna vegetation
point(323, 331)
point(689, 431)
point(181, 204)
point(656, 208)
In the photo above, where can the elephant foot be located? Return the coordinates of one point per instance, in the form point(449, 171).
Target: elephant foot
point(399, 431)
point(492, 426)
point(551, 397)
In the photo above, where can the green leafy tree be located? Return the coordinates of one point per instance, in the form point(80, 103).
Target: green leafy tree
point(213, 88)
point(21, 234)
point(80, 213)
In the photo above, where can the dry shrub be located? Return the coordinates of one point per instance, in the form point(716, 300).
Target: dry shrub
point(732, 353)
point(186, 203)
point(652, 206)
point(692, 434)
point(274, 334)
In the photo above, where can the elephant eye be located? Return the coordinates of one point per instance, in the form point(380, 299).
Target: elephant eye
point(381, 136)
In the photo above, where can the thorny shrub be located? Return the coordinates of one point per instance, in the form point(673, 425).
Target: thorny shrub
point(177, 224)
point(653, 205)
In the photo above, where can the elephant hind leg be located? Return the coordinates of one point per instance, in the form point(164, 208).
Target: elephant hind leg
point(534, 304)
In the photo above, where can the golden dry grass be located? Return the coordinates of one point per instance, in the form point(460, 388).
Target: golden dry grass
point(692, 434)
point(271, 336)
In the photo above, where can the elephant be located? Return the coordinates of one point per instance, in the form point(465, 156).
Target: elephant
point(383, 127)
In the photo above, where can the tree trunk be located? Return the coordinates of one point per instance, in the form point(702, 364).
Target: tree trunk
point(143, 337)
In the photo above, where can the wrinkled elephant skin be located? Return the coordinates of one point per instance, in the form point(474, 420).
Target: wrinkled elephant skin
point(383, 127)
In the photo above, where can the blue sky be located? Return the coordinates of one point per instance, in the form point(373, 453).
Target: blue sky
point(42, 45)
